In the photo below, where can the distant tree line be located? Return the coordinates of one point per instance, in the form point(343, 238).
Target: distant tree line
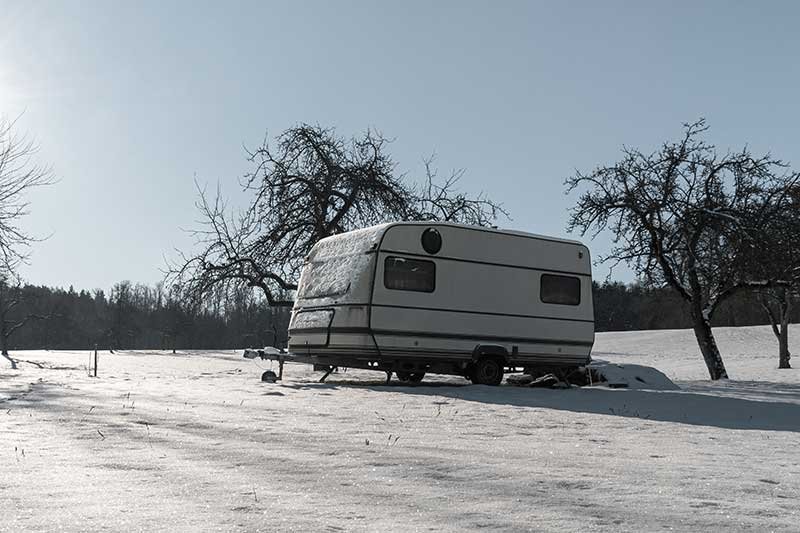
point(624, 307)
point(137, 316)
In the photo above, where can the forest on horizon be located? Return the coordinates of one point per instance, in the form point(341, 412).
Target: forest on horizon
point(138, 316)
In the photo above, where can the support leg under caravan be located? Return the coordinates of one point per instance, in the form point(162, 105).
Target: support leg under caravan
point(327, 373)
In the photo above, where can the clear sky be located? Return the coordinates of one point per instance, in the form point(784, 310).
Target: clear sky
point(133, 101)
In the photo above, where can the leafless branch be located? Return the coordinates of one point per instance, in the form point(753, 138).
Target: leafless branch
point(308, 185)
point(691, 219)
point(18, 173)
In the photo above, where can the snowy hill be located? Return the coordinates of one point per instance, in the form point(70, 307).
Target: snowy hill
point(750, 353)
point(196, 442)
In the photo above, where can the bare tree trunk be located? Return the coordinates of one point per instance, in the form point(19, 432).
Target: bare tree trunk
point(4, 346)
point(4, 338)
point(783, 342)
point(273, 323)
point(783, 339)
point(13, 363)
point(780, 327)
point(708, 347)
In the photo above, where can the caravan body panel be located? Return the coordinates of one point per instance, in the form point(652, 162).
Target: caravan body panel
point(394, 302)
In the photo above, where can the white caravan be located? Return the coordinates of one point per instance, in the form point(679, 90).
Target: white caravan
point(417, 297)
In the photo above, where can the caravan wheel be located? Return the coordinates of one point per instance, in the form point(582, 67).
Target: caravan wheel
point(410, 377)
point(487, 371)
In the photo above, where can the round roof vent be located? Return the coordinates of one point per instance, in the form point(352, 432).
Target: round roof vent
point(431, 241)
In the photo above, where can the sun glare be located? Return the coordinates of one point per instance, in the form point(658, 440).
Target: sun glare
point(10, 92)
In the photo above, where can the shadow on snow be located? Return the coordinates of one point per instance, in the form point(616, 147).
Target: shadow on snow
point(732, 405)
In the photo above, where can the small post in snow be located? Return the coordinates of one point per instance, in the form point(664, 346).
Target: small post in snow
point(95, 360)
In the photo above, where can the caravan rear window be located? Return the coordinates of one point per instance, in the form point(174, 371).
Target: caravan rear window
point(565, 290)
point(402, 274)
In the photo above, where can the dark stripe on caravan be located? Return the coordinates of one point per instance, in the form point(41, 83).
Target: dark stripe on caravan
point(463, 311)
point(322, 352)
point(434, 335)
point(488, 263)
point(488, 313)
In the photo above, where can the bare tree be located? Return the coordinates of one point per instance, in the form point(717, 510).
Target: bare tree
point(777, 257)
point(777, 304)
point(685, 217)
point(18, 174)
point(308, 185)
point(436, 200)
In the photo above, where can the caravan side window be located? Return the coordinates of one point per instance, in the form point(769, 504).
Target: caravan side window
point(565, 290)
point(402, 274)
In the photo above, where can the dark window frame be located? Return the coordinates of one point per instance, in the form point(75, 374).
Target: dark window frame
point(556, 276)
point(386, 281)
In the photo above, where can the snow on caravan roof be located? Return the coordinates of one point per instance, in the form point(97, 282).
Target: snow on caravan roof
point(336, 263)
point(352, 242)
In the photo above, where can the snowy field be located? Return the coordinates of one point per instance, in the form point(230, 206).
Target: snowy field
point(195, 442)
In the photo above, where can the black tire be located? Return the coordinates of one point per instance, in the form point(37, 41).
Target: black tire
point(416, 377)
point(487, 371)
point(410, 377)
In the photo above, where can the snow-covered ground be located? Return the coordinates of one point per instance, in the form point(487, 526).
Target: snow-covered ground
point(195, 441)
